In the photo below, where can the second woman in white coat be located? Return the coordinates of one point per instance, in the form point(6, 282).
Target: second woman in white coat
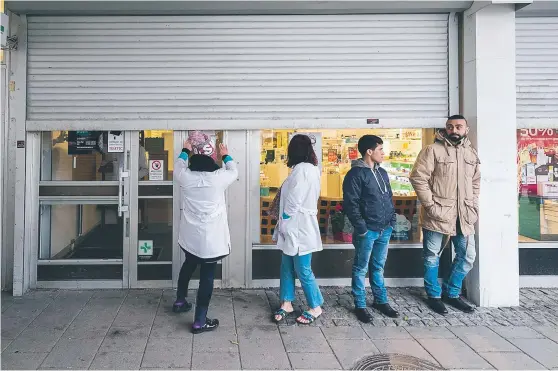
point(297, 231)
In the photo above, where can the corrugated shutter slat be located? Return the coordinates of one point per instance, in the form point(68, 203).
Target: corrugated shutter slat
point(238, 67)
point(537, 67)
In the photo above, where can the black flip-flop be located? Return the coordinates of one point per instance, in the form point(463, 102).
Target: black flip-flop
point(307, 315)
point(281, 312)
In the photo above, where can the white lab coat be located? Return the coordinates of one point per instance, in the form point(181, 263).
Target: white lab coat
point(204, 228)
point(300, 234)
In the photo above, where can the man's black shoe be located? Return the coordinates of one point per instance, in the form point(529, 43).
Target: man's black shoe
point(386, 310)
point(459, 304)
point(363, 315)
point(437, 306)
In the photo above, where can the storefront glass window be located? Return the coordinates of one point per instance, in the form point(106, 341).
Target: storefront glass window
point(537, 158)
point(336, 149)
point(78, 156)
point(86, 231)
point(156, 162)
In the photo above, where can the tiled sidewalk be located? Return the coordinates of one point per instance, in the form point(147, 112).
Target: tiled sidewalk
point(133, 329)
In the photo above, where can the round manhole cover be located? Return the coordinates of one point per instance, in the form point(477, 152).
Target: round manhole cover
point(394, 362)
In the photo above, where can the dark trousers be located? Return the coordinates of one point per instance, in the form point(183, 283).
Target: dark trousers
point(207, 276)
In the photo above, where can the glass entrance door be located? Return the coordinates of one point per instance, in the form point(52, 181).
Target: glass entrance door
point(109, 208)
point(84, 209)
point(154, 209)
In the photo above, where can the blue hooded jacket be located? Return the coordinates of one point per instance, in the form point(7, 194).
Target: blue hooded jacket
point(367, 198)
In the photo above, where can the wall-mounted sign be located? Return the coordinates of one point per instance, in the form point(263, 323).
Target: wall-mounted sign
point(145, 248)
point(115, 141)
point(20, 144)
point(83, 142)
point(156, 169)
point(372, 121)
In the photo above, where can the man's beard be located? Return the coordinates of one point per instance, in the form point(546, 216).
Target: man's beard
point(456, 138)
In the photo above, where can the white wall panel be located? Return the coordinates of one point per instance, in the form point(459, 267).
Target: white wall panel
point(238, 67)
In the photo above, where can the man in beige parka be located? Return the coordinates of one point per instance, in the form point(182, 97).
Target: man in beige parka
point(446, 178)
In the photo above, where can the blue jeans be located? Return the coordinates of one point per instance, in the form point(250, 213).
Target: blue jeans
point(302, 266)
point(371, 253)
point(465, 255)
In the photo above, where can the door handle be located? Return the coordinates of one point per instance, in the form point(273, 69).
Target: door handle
point(121, 207)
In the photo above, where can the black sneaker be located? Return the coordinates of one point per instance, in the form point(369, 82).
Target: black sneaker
point(181, 306)
point(210, 325)
point(437, 306)
point(363, 315)
point(458, 304)
point(386, 310)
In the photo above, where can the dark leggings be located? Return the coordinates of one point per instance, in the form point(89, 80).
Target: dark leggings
point(207, 276)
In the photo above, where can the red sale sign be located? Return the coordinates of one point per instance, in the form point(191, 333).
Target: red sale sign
point(537, 156)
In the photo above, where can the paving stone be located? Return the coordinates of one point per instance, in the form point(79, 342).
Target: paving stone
point(259, 332)
point(209, 361)
point(344, 333)
point(72, 353)
point(314, 361)
point(550, 332)
point(171, 327)
point(405, 346)
point(32, 341)
point(543, 351)
point(220, 340)
point(261, 345)
point(264, 358)
point(125, 339)
point(162, 353)
point(5, 343)
point(482, 339)
point(516, 332)
point(135, 316)
point(86, 329)
point(298, 339)
point(13, 326)
point(350, 351)
point(431, 333)
point(454, 354)
point(22, 361)
point(116, 361)
point(387, 333)
point(511, 361)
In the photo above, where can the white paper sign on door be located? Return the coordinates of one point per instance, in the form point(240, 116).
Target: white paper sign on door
point(115, 142)
point(156, 169)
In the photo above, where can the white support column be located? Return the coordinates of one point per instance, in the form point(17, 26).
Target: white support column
point(17, 109)
point(234, 266)
point(489, 106)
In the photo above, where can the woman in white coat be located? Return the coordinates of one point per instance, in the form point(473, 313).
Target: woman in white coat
point(297, 231)
point(204, 229)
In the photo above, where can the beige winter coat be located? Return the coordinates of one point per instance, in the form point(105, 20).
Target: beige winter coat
point(446, 178)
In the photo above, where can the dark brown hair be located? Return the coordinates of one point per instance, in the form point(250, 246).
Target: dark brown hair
point(301, 150)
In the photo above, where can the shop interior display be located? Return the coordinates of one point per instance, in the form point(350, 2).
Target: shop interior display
point(537, 160)
point(338, 148)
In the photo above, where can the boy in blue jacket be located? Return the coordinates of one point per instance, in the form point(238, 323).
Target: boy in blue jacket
point(367, 201)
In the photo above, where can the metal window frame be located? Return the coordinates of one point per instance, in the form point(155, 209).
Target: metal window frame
point(341, 246)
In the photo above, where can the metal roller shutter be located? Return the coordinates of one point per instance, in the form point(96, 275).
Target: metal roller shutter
point(537, 67)
point(238, 67)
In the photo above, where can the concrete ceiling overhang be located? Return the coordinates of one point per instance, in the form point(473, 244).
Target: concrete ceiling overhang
point(229, 7)
point(539, 8)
